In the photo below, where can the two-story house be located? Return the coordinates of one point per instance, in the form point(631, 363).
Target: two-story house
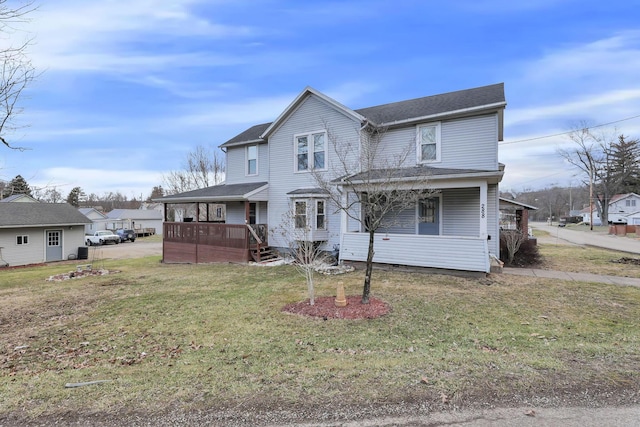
point(272, 171)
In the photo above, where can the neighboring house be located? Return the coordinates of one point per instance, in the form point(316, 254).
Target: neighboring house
point(454, 139)
point(19, 198)
point(99, 221)
point(136, 219)
point(33, 233)
point(515, 215)
point(623, 208)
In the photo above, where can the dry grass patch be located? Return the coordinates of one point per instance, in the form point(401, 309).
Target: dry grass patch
point(213, 336)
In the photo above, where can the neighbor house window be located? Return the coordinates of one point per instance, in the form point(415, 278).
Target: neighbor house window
point(631, 203)
point(252, 160)
point(310, 151)
point(320, 215)
point(428, 143)
point(301, 214)
point(22, 240)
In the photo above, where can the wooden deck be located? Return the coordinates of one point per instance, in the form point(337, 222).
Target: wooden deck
point(201, 242)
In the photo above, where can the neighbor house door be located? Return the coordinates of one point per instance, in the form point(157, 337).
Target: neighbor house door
point(53, 239)
point(429, 216)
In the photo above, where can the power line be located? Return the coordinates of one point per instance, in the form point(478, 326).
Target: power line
point(569, 131)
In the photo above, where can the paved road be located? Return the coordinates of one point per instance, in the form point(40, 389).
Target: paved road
point(581, 235)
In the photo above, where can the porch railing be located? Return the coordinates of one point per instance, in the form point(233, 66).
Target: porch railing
point(197, 242)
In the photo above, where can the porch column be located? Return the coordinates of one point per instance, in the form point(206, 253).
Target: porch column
point(483, 210)
point(343, 216)
point(247, 210)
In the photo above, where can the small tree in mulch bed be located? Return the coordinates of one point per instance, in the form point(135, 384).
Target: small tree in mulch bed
point(325, 308)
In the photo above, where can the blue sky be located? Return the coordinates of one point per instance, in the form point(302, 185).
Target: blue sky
point(128, 88)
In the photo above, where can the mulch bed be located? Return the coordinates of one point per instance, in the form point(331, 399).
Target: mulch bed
point(325, 308)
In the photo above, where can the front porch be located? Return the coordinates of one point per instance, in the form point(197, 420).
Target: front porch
point(201, 242)
point(445, 252)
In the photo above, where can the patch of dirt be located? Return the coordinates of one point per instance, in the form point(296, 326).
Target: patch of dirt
point(627, 260)
point(78, 274)
point(325, 308)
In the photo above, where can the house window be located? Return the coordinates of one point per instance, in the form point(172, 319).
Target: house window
point(310, 151)
point(630, 203)
point(320, 215)
point(428, 143)
point(22, 240)
point(252, 160)
point(301, 214)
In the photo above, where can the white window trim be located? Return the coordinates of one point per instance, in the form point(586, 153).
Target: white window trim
point(246, 160)
point(310, 159)
point(438, 127)
point(23, 237)
point(306, 214)
point(315, 215)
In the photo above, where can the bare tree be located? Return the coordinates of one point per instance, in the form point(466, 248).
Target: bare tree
point(374, 186)
point(17, 70)
point(511, 240)
point(307, 255)
point(597, 155)
point(202, 168)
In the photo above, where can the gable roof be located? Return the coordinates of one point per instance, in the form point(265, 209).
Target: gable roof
point(134, 214)
point(14, 215)
point(396, 113)
point(504, 202)
point(87, 211)
point(222, 192)
point(619, 197)
point(19, 198)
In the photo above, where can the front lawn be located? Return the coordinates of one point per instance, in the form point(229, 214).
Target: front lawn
point(186, 337)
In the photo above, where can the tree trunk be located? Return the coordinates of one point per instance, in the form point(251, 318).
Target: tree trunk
point(367, 275)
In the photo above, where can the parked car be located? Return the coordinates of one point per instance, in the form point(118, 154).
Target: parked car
point(125, 235)
point(101, 237)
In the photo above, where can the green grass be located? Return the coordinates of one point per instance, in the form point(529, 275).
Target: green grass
point(202, 336)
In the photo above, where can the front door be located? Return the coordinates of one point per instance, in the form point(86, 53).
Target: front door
point(54, 245)
point(429, 216)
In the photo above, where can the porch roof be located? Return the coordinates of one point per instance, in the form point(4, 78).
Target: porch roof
point(428, 173)
point(253, 191)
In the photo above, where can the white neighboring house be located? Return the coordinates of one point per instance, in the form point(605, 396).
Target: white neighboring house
point(623, 208)
point(136, 219)
point(99, 221)
point(18, 198)
point(33, 233)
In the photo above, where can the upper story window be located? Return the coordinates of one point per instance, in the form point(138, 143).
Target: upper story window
point(252, 160)
point(428, 143)
point(310, 151)
point(630, 203)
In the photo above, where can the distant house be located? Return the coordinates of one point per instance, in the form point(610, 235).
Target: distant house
point(623, 208)
point(135, 219)
point(19, 198)
point(33, 233)
point(99, 221)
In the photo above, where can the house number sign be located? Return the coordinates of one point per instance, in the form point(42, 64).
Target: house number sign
point(482, 210)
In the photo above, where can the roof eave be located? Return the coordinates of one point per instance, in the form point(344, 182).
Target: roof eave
point(460, 112)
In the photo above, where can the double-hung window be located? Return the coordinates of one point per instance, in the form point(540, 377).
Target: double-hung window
point(630, 203)
point(301, 214)
point(310, 151)
point(320, 215)
point(428, 143)
point(22, 240)
point(252, 160)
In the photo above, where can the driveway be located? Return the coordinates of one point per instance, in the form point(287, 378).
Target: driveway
point(137, 249)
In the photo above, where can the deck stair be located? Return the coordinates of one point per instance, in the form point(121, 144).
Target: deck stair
point(267, 254)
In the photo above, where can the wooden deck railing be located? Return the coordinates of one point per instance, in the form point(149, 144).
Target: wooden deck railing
point(209, 242)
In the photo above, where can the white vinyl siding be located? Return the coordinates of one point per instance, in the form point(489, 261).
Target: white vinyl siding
point(237, 165)
point(251, 160)
point(460, 212)
point(312, 115)
point(34, 251)
point(469, 143)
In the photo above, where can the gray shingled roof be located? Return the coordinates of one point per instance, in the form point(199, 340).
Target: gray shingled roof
point(427, 172)
point(134, 214)
point(409, 109)
point(18, 214)
point(435, 104)
point(230, 191)
point(299, 191)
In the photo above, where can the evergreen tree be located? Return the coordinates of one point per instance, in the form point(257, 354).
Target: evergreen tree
point(17, 185)
point(625, 164)
point(75, 196)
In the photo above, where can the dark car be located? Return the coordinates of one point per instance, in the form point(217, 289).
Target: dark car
point(126, 235)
